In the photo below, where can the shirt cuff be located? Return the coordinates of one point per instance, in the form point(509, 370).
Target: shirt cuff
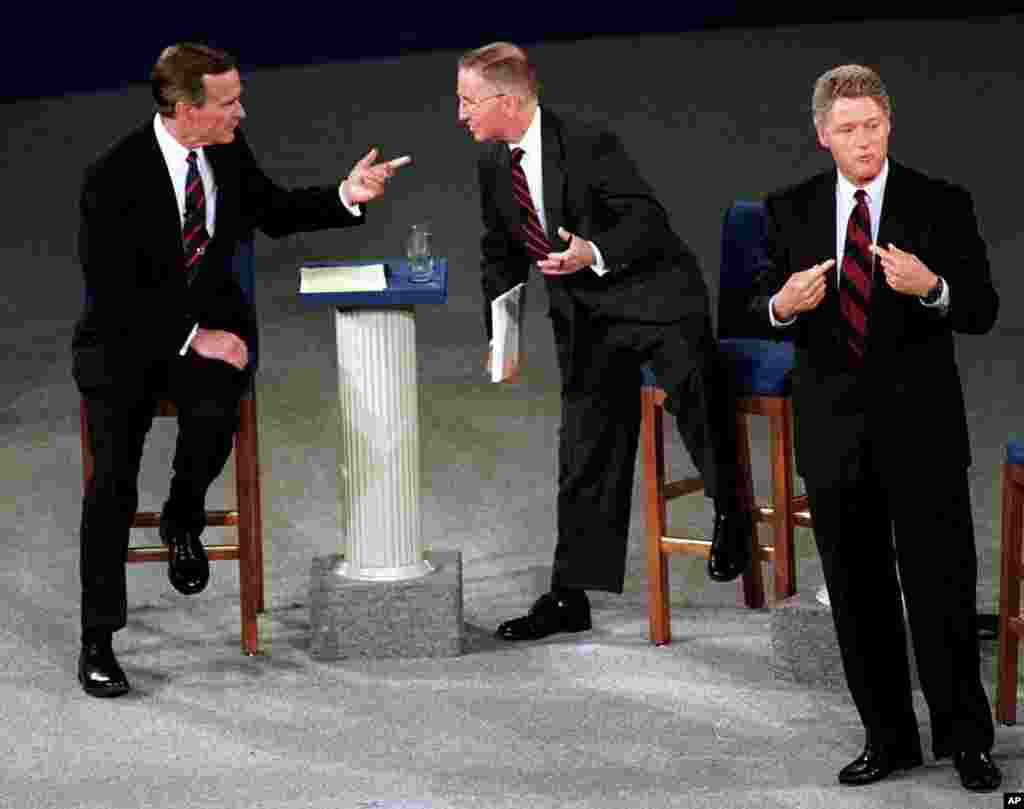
point(355, 210)
point(188, 340)
point(942, 304)
point(779, 324)
point(598, 266)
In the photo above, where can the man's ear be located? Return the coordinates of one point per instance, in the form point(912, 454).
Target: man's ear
point(822, 136)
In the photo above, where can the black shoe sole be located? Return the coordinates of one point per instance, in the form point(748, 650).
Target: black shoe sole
point(580, 628)
point(104, 692)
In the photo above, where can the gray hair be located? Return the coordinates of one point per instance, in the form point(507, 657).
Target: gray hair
point(505, 66)
point(847, 81)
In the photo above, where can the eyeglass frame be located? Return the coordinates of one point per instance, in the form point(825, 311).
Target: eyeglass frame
point(472, 104)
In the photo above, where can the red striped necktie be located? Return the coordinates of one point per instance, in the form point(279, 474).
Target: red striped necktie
point(536, 241)
point(194, 235)
point(856, 279)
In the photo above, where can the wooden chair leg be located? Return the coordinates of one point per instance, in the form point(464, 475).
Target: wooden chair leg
point(658, 613)
point(249, 541)
point(753, 579)
point(782, 501)
point(83, 433)
point(1009, 597)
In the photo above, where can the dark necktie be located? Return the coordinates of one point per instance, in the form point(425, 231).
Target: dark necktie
point(194, 236)
point(536, 241)
point(856, 278)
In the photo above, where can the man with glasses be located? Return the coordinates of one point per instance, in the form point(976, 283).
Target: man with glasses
point(564, 200)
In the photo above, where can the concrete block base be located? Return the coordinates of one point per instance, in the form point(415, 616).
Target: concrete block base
point(419, 617)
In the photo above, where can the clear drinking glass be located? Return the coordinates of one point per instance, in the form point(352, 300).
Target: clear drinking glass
point(418, 249)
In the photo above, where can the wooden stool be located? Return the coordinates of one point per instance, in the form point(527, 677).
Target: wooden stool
point(782, 513)
point(248, 550)
point(1011, 619)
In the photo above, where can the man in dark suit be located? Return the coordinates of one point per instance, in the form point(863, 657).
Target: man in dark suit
point(624, 290)
point(162, 213)
point(873, 268)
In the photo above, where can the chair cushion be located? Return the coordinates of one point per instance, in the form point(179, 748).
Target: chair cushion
point(756, 367)
point(1015, 451)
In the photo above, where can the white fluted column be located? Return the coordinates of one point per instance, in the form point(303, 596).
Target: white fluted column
point(379, 451)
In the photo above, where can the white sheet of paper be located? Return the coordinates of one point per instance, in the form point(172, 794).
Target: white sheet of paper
point(338, 278)
point(506, 321)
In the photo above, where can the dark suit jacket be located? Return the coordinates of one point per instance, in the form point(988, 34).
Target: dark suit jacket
point(139, 308)
point(591, 188)
point(908, 393)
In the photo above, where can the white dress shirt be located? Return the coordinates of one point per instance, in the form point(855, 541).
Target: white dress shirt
point(176, 158)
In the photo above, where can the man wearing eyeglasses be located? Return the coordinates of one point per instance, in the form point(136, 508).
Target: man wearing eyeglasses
point(564, 200)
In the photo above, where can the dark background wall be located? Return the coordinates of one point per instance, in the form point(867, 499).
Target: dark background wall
point(50, 51)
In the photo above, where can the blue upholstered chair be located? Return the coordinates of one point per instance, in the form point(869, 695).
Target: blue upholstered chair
point(758, 365)
point(247, 516)
point(1011, 619)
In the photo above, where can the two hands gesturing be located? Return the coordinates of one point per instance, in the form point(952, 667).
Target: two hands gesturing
point(904, 272)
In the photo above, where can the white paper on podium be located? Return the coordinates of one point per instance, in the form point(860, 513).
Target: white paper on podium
point(506, 321)
point(367, 278)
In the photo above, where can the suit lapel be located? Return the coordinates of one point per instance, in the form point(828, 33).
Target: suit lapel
point(821, 215)
point(156, 185)
point(885, 302)
point(503, 194)
point(892, 229)
point(554, 175)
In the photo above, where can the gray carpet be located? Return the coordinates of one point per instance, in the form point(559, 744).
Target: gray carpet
point(600, 719)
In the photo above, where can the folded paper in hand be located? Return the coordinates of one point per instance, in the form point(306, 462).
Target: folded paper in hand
point(506, 321)
point(337, 278)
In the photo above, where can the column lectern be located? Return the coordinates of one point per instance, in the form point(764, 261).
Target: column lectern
point(382, 594)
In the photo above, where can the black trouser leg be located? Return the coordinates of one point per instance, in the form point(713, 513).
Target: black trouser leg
point(853, 531)
point(596, 456)
point(938, 570)
point(687, 365)
point(118, 427)
point(206, 393)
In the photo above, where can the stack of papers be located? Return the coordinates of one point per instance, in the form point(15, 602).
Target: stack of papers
point(338, 278)
point(506, 321)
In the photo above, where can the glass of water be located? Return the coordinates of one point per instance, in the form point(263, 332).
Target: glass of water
point(419, 251)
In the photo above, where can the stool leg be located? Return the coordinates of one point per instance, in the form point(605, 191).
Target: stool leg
point(257, 507)
point(249, 575)
point(1009, 597)
point(651, 429)
point(753, 578)
point(782, 502)
point(83, 432)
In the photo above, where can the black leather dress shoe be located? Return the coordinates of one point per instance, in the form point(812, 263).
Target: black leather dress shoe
point(730, 544)
point(98, 671)
point(552, 612)
point(978, 773)
point(875, 764)
point(187, 568)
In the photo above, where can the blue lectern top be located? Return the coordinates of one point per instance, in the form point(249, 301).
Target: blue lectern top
point(400, 291)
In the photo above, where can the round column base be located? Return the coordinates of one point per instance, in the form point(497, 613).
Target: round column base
point(404, 573)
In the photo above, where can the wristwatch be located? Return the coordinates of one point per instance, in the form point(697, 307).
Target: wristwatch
point(935, 292)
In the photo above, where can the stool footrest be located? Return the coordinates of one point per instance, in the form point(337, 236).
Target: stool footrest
point(159, 553)
point(802, 517)
point(696, 547)
point(679, 488)
point(151, 519)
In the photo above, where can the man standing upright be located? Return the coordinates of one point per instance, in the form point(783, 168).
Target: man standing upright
point(564, 199)
point(874, 267)
point(162, 213)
